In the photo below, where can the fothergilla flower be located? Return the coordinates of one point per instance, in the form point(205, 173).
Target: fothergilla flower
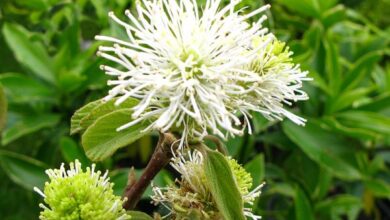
point(199, 70)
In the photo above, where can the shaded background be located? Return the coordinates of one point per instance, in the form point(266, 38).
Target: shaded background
point(335, 168)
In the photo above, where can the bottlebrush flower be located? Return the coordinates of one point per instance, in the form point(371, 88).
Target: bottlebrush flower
point(197, 71)
point(278, 81)
point(192, 197)
point(77, 194)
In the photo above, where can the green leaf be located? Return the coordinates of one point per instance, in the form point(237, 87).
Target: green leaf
point(319, 81)
point(313, 40)
point(346, 99)
point(312, 8)
point(324, 183)
point(303, 209)
point(104, 108)
point(260, 123)
point(71, 151)
point(70, 80)
point(235, 144)
point(334, 15)
point(332, 65)
point(29, 53)
point(360, 69)
point(223, 187)
point(313, 36)
point(22, 89)
point(33, 4)
point(28, 124)
point(277, 139)
point(101, 10)
point(378, 187)
point(256, 167)
point(379, 105)
point(3, 108)
point(355, 132)
point(381, 78)
point(75, 121)
point(370, 121)
point(23, 170)
point(136, 215)
point(376, 165)
point(120, 178)
point(102, 139)
point(327, 149)
point(325, 5)
point(282, 188)
point(88, 114)
point(340, 205)
point(305, 171)
point(304, 7)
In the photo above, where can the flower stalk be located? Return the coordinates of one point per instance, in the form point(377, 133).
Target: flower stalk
point(162, 155)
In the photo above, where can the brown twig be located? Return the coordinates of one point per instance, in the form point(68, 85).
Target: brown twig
point(160, 158)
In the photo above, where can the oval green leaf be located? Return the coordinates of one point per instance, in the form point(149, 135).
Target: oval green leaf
point(102, 139)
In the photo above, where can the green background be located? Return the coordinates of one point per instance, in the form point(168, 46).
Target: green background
point(334, 168)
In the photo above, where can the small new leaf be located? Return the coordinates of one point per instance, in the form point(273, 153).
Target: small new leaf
point(223, 186)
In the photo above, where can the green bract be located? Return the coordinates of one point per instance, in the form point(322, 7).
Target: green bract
point(75, 194)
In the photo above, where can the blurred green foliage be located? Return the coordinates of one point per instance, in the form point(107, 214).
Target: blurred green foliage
point(336, 167)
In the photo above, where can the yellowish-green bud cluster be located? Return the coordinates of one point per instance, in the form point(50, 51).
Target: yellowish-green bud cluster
point(75, 194)
point(242, 177)
point(275, 55)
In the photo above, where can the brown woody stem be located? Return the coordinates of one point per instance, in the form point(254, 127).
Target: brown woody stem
point(160, 158)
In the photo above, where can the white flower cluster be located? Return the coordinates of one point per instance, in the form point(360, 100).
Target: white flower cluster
point(198, 71)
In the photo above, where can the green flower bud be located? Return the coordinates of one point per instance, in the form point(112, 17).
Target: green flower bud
point(76, 194)
point(242, 177)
